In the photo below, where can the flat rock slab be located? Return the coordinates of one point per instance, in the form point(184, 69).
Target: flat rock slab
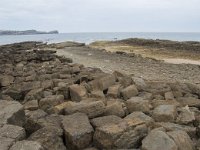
point(6, 143)
point(11, 112)
point(91, 108)
point(78, 131)
point(27, 145)
point(105, 120)
point(140, 115)
point(14, 132)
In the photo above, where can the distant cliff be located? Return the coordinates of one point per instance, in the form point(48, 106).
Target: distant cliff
point(26, 32)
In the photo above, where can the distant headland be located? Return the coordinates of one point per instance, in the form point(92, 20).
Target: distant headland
point(26, 32)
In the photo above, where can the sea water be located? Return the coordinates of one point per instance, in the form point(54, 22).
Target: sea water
point(91, 37)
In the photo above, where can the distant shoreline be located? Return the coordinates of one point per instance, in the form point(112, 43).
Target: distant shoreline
point(92, 37)
point(26, 32)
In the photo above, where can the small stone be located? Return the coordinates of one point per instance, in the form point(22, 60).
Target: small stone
point(105, 120)
point(138, 104)
point(97, 94)
point(140, 115)
point(164, 113)
point(47, 104)
point(6, 80)
point(31, 105)
point(185, 116)
point(77, 92)
point(129, 92)
point(169, 96)
point(35, 94)
point(115, 107)
point(140, 83)
point(114, 91)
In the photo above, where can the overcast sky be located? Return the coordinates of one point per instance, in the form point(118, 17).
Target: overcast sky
point(101, 15)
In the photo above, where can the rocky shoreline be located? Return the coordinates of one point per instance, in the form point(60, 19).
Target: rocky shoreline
point(47, 102)
point(158, 49)
point(26, 32)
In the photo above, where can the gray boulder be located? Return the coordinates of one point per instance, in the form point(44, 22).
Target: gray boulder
point(165, 113)
point(27, 145)
point(49, 137)
point(6, 143)
point(129, 92)
point(157, 140)
point(138, 104)
point(91, 108)
point(11, 112)
point(182, 140)
point(77, 130)
point(77, 92)
point(14, 132)
point(124, 135)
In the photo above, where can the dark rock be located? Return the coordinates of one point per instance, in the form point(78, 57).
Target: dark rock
point(11, 112)
point(49, 137)
point(78, 131)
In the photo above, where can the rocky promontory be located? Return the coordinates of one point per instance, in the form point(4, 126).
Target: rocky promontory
point(26, 32)
point(47, 102)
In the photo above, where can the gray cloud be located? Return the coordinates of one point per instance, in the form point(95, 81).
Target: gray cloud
point(101, 15)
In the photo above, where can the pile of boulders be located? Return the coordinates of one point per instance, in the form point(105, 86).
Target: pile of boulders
point(49, 103)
